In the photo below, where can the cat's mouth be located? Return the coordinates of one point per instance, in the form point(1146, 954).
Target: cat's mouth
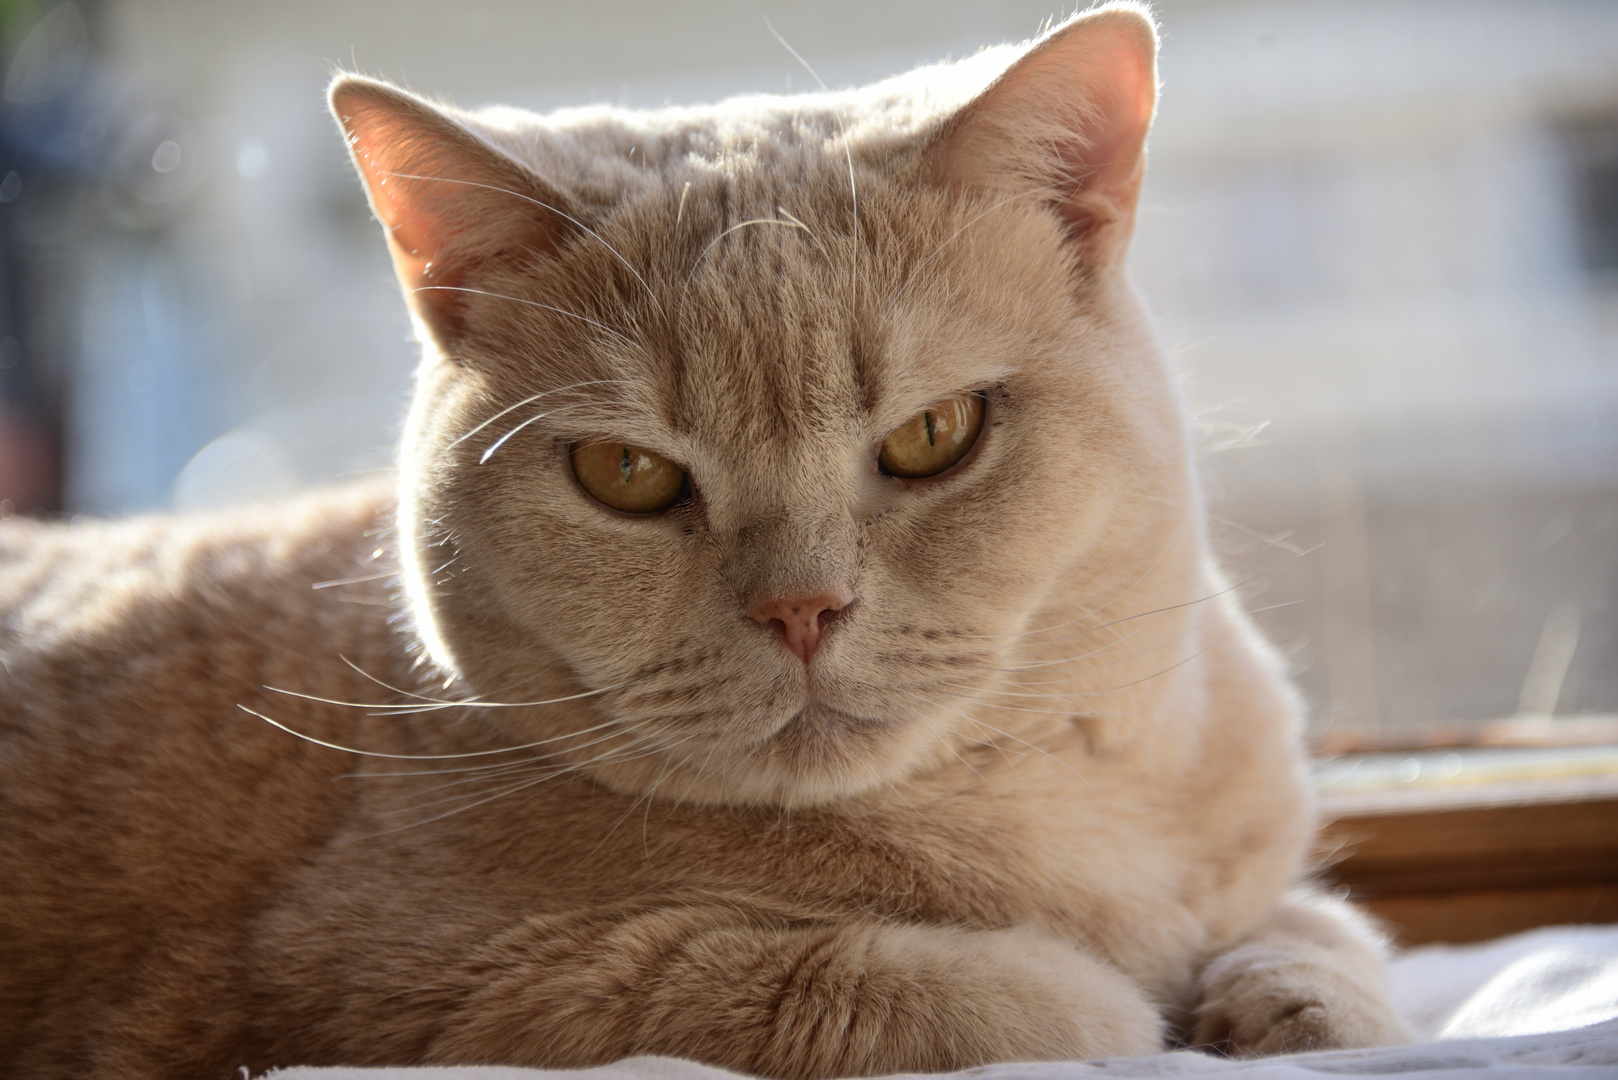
point(818, 717)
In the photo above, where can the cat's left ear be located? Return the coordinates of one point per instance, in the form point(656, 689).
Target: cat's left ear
point(449, 202)
point(1066, 125)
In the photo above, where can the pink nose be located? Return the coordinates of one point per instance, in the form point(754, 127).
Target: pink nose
point(802, 619)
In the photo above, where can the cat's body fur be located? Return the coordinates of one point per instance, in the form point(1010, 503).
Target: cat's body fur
point(1038, 795)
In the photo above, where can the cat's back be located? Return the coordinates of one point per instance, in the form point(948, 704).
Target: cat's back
point(125, 651)
point(71, 587)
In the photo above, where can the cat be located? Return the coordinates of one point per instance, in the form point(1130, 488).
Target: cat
point(790, 641)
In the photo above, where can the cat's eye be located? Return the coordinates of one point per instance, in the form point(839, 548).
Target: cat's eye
point(628, 478)
point(933, 439)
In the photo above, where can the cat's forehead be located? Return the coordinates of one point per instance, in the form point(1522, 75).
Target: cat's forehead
point(790, 276)
point(608, 153)
point(778, 320)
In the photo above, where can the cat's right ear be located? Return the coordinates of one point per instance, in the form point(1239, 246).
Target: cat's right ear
point(448, 201)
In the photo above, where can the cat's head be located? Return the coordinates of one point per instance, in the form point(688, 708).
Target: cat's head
point(792, 426)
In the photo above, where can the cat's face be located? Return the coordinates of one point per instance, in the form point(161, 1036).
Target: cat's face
point(759, 303)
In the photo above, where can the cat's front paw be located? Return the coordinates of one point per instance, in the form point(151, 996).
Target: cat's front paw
point(1259, 1000)
point(940, 999)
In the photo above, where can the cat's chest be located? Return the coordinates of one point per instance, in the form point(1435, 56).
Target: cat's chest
point(1056, 854)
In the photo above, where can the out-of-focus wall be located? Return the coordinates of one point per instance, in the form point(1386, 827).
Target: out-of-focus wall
point(1375, 229)
point(1381, 239)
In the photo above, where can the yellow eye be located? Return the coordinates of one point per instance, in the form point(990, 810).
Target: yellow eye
point(933, 439)
point(628, 478)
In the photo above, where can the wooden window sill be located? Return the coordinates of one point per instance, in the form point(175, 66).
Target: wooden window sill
point(1469, 844)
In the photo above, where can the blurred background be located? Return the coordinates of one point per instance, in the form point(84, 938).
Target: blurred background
point(1380, 238)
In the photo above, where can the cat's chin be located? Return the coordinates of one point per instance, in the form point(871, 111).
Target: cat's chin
point(820, 721)
point(814, 756)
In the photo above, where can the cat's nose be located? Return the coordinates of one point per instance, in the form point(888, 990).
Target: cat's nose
point(802, 619)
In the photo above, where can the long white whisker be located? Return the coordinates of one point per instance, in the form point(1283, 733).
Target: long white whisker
point(388, 686)
point(494, 768)
point(409, 757)
point(361, 579)
point(554, 769)
point(441, 702)
point(529, 401)
point(560, 771)
point(697, 263)
point(824, 250)
point(469, 704)
point(536, 418)
point(621, 335)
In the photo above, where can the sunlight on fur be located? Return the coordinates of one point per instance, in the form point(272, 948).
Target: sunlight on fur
point(790, 642)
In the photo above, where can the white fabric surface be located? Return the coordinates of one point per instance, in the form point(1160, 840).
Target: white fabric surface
point(1552, 979)
point(1511, 1009)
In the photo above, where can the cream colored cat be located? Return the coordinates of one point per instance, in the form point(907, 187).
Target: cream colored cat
point(792, 642)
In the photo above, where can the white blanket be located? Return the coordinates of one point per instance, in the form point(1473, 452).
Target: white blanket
point(1540, 1004)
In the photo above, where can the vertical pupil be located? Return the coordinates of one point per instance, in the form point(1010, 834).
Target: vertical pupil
point(928, 419)
point(625, 466)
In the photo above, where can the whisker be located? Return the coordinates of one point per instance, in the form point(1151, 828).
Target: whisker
point(473, 703)
point(985, 697)
point(1090, 612)
point(1088, 668)
point(1006, 734)
point(1272, 607)
point(494, 768)
point(502, 440)
point(389, 686)
point(1118, 641)
point(426, 799)
point(793, 224)
point(552, 769)
point(824, 250)
point(1136, 682)
point(697, 263)
point(1280, 540)
point(462, 809)
point(1139, 615)
point(848, 152)
point(647, 796)
point(506, 793)
point(411, 757)
point(621, 335)
point(528, 401)
point(491, 768)
point(354, 580)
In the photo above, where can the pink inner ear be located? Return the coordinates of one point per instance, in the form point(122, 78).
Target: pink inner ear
point(1073, 113)
point(449, 202)
point(1107, 155)
point(390, 156)
point(408, 220)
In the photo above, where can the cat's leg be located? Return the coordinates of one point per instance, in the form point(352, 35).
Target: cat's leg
point(785, 999)
point(1308, 977)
